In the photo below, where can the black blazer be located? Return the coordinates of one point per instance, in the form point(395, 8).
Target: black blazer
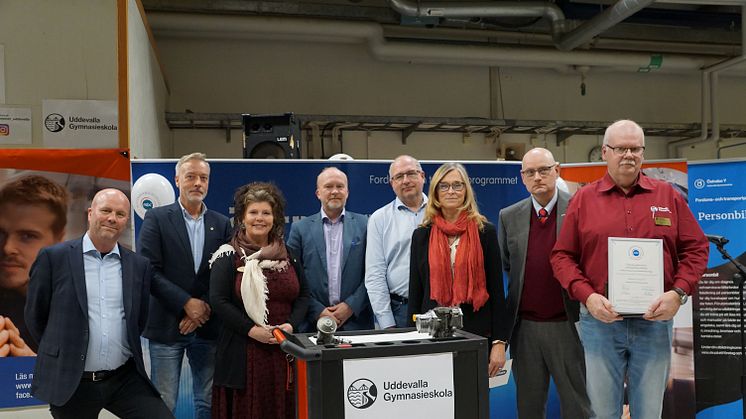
point(230, 357)
point(490, 321)
point(57, 316)
point(164, 241)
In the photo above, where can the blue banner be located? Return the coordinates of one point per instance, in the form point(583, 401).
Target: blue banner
point(496, 184)
point(717, 197)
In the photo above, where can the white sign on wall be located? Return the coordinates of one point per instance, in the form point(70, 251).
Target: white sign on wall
point(402, 387)
point(80, 123)
point(15, 125)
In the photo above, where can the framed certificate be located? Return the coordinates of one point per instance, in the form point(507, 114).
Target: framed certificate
point(635, 274)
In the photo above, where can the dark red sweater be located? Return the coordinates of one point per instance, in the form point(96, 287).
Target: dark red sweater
point(541, 299)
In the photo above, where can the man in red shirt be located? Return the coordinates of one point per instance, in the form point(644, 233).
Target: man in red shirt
point(625, 203)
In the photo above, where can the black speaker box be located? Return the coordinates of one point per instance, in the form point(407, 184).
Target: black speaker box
point(271, 136)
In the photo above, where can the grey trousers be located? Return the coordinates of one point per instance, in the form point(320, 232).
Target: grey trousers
point(543, 349)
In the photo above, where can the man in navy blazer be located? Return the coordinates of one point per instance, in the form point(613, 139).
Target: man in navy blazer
point(87, 304)
point(331, 247)
point(179, 239)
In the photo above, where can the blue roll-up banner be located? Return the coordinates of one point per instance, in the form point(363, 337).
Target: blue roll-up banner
point(496, 185)
point(717, 197)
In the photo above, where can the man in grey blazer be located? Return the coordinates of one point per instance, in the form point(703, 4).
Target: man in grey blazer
point(87, 304)
point(543, 340)
point(331, 247)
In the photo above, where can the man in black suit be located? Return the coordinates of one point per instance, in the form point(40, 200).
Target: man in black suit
point(87, 304)
point(179, 239)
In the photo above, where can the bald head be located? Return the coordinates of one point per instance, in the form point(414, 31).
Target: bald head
point(404, 160)
point(330, 172)
point(107, 218)
point(331, 189)
point(407, 180)
point(624, 144)
point(624, 128)
point(538, 154)
point(539, 172)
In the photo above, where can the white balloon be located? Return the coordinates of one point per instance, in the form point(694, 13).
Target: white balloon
point(149, 191)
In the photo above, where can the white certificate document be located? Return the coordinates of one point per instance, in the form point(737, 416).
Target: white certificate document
point(635, 273)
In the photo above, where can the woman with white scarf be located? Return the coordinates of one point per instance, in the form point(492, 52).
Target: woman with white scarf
point(256, 285)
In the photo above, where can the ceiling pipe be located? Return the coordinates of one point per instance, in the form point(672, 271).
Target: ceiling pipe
point(611, 16)
point(564, 40)
point(232, 27)
point(728, 146)
point(525, 39)
point(507, 9)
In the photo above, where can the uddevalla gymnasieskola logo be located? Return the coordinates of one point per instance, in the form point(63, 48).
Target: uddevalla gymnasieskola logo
point(54, 122)
point(362, 393)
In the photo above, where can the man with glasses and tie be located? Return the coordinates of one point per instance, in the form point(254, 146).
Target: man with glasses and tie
point(543, 339)
point(626, 204)
point(389, 237)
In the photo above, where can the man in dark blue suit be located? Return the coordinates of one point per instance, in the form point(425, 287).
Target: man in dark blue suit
point(179, 239)
point(86, 305)
point(331, 247)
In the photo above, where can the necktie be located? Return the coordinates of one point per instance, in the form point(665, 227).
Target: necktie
point(543, 215)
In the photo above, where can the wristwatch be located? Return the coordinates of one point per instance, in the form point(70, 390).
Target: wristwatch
point(682, 295)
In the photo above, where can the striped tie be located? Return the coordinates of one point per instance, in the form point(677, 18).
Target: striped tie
point(543, 215)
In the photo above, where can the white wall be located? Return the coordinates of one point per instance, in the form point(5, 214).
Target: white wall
point(58, 50)
point(149, 135)
point(273, 76)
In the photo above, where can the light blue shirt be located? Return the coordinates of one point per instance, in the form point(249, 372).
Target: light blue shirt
point(107, 331)
point(333, 240)
point(550, 205)
point(387, 256)
point(196, 231)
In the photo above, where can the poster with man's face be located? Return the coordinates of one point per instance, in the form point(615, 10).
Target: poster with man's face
point(40, 208)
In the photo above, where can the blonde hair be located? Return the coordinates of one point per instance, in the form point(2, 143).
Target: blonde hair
point(470, 203)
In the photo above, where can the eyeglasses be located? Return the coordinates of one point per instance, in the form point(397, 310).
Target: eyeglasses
point(456, 186)
point(620, 151)
point(411, 175)
point(542, 171)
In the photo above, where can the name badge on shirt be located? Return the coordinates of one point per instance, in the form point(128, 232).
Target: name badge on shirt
point(662, 221)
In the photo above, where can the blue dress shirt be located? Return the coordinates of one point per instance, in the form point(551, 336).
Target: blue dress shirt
point(107, 340)
point(196, 231)
point(387, 256)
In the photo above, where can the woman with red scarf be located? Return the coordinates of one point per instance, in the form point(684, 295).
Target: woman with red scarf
point(456, 261)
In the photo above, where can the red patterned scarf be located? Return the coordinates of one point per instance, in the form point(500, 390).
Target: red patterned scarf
point(467, 282)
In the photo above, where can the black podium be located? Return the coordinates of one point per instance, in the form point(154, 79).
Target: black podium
point(323, 393)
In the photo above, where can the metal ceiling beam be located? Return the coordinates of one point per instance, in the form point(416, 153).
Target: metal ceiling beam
point(407, 125)
point(324, 9)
